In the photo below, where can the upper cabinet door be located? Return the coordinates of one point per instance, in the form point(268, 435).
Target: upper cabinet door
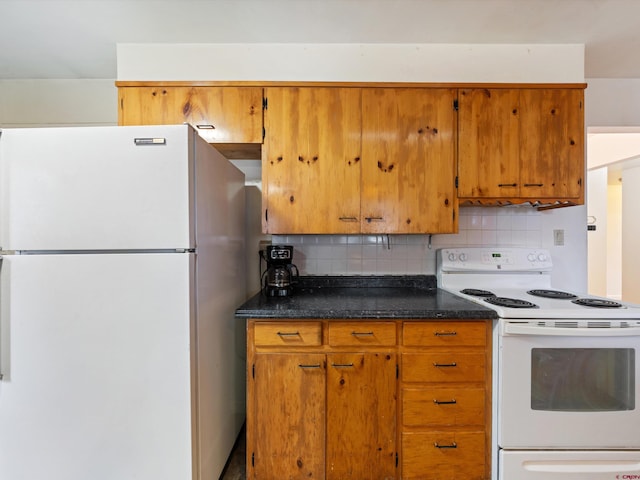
point(409, 164)
point(311, 160)
point(488, 152)
point(220, 114)
point(551, 143)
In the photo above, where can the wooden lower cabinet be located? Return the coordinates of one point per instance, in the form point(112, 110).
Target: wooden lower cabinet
point(339, 400)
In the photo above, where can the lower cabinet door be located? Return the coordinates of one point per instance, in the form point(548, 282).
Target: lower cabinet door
point(361, 416)
point(289, 416)
point(443, 455)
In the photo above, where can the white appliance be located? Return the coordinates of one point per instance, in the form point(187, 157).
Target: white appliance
point(566, 368)
point(122, 265)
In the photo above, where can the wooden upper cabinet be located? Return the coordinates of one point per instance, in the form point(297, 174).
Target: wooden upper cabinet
point(221, 115)
point(311, 160)
point(521, 144)
point(409, 165)
point(488, 142)
point(551, 143)
point(348, 160)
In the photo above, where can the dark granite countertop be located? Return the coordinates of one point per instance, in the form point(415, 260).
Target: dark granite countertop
point(365, 297)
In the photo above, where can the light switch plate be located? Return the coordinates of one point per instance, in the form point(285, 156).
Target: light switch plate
point(558, 237)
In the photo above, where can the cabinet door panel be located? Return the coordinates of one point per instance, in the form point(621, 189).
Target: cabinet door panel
point(289, 416)
point(552, 143)
point(151, 105)
point(361, 418)
point(488, 143)
point(311, 160)
point(409, 166)
point(220, 114)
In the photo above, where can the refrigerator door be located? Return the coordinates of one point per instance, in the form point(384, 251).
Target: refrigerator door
point(97, 188)
point(96, 367)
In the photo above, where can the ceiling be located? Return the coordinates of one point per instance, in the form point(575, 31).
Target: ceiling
point(76, 39)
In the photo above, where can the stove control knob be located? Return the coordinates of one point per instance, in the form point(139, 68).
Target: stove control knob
point(463, 257)
point(542, 257)
point(531, 257)
point(452, 257)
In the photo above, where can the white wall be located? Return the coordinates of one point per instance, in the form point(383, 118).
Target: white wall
point(353, 62)
point(614, 242)
point(597, 239)
point(612, 102)
point(630, 235)
point(612, 105)
point(37, 103)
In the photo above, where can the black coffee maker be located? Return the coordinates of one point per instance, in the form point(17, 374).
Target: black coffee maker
point(280, 275)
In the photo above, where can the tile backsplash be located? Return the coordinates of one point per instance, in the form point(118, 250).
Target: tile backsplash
point(413, 254)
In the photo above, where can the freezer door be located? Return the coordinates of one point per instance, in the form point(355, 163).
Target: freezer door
point(96, 361)
point(97, 188)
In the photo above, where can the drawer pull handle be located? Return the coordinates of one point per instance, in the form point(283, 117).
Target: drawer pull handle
point(374, 219)
point(289, 334)
point(362, 334)
point(445, 334)
point(436, 364)
point(205, 126)
point(445, 402)
point(342, 365)
point(302, 365)
point(451, 445)
point(348, 219)
point(507, 184)
point(534, 184)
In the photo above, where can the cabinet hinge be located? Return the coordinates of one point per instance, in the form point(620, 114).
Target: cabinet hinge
point(455, 104)
point(265, 103)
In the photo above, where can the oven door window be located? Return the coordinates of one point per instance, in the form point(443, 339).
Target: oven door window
point(583, 379)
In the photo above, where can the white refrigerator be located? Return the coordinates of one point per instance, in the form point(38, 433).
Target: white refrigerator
point(123, 260)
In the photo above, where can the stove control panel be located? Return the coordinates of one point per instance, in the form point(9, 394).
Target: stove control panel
point(487, 259)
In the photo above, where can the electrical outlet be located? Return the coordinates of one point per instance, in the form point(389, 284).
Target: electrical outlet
point(558, 237)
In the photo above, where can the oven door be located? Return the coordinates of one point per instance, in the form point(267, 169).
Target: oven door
point(567, 388)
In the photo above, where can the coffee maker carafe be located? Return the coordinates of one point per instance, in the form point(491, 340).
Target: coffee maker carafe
point(280, 275)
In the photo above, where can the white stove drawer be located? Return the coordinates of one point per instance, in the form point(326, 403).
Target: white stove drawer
point(569, 465)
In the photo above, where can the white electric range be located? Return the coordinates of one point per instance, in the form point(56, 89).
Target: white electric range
point(566, 368)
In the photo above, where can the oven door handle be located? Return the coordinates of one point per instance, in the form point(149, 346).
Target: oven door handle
point(515, 329)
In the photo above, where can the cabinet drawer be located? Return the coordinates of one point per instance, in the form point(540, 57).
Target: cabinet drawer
point(288, 334)
point(443, 455)
point(438, 407)
point(443, 367)
point(362, 333)
point(438, 334)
